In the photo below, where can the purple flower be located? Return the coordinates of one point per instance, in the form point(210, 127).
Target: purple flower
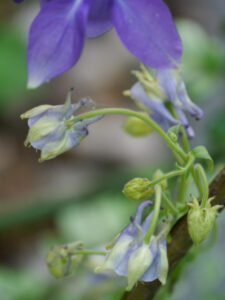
point(131, 257)
point(58, 32)
point(152, 93)
point(49, 131)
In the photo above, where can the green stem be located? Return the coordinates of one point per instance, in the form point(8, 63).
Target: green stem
point(182, 188)
point(196, 180)
point(122, 111)
point(201, 174)
point(184, 180)
point(88, 252)
point(174, 173)
point(158, 196)
point(169, 204)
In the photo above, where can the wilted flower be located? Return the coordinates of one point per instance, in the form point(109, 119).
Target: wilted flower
point(61, 261)
point(49, 131)
point(129, 256)
point(152, 93)
point(201, 220)
point(57, 34)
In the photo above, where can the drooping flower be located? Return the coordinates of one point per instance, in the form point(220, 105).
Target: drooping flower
point(129, 256)
point(49, 131)
point(58, 32)
point(152, 93)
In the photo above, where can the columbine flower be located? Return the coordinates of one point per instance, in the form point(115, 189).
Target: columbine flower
point(49, 131)
point(152, 93)
point(58, 33)
point(129, 256)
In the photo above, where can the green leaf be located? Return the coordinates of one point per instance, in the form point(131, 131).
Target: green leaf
point(202, 153)
point(173, 132)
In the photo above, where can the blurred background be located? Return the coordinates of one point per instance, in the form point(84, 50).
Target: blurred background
point(78, 195)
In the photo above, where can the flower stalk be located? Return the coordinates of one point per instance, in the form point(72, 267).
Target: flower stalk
point(158, 197)
point(121, 111)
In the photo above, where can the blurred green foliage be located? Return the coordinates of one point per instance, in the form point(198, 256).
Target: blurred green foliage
point(203, 59)
point(12, 65)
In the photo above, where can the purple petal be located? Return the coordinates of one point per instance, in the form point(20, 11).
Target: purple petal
point(99, 20)
point(161, 121)
point(175, 90)
point(146, 223)
point(190, 132)
point(140, 209)
point(192, 108)
point(154, 103)
point(18, 1)
point(56, 39)
point(147, 30)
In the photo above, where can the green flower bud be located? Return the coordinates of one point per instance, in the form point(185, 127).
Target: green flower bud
point(201, 220)
point(61, 261)
point(159, 174)
point(136, 127)
point(138, 189)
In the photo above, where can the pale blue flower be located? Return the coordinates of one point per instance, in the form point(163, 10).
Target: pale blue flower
point(49, 131)
point(129, 256)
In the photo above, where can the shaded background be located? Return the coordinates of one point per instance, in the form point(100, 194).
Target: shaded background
point(78, 195)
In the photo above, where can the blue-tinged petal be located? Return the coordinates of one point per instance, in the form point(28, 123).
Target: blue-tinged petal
point(147, 30)
point(192, 108)
point(175, 90)
point(99, 20)
point(56, 39)
point(138, 263)
point(152, 272)
point(57, 133)
point(161, 121)
point(56, 147)
point(145, 225)
point(190, 132)
point(154, 104)
point(138, 216)
point(163, 264)
point(117, 259)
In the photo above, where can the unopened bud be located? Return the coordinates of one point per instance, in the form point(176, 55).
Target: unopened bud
point(61, 261)
point(201, 220)
point(138, 189)
point(136, 127)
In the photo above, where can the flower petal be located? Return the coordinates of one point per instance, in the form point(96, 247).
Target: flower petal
point(175, 90)
point(147, 30)
point(155, 104)
point(99, 20)
point(163, 264)
point(56, 39)
point(152, 272)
